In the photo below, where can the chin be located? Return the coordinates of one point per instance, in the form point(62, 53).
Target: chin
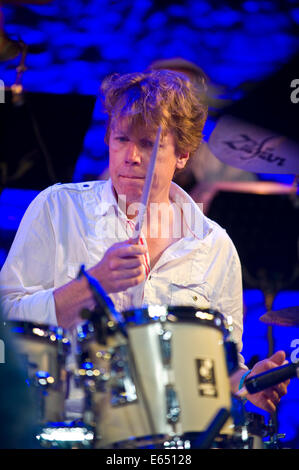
point(131, 192)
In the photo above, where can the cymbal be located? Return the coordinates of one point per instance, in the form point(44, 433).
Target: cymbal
point(285, 317)
point(252, 187)
point(205, 192)
point(252, 148)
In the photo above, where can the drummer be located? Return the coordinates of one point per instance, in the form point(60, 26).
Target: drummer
point(181, 256)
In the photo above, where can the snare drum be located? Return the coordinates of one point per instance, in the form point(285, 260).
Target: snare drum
point(42, 350)
point(168, 378)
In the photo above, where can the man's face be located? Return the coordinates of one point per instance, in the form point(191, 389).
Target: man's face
point(129, 156)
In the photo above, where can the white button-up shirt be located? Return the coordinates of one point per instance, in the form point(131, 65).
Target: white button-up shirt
point(68, 225)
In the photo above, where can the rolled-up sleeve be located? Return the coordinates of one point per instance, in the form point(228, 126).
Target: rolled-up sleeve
point(231, 298)
point(27, 277)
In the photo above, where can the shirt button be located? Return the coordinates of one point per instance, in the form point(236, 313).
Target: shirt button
point(149, 278)
point(195, 297)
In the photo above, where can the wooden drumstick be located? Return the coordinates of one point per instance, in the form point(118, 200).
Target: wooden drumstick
point(147, 188)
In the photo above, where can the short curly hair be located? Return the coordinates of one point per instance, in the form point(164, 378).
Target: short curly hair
point(154, 98)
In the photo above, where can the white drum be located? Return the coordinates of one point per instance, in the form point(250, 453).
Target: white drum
point(42, 351)
point(168, 378)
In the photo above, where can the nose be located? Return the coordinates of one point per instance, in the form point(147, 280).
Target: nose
point(133, 155)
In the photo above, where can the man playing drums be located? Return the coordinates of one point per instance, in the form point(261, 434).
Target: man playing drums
point(181, 257)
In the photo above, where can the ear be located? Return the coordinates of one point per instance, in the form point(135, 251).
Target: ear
point(182, 160)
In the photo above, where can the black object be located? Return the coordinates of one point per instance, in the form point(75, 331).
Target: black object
point(231, 354)
point(42, 138)
point(206, 439)
point(264, 229)
point(268, 104)
point(260, 382)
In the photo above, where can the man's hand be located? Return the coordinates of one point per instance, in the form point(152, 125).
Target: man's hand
point(269, 398)
point(121, 267)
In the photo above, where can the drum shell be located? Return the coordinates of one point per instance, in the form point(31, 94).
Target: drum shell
point(43, 353)
point(192, 343)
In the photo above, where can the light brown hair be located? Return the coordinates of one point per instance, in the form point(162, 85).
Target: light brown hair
point(154, 98)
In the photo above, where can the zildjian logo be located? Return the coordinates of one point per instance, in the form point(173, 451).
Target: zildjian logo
point(264, 149)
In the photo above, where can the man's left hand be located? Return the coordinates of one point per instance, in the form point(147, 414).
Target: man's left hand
point(269, 398)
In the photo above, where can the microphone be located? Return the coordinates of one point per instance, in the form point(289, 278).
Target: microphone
point(267, 379)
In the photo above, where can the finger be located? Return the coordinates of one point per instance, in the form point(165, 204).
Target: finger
point(130, 250)
point(133, 241)
point(128, 273)
point(273, 396)
point(281, 389)
point(278, 358)
point(269, 406)
point(125, 284)
point(126, 263)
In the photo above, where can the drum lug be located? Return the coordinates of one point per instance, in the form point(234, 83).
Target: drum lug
point(172, 405)
point(122, 386)
point(165, 346)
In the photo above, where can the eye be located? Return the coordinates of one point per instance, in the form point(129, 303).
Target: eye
point(122, 138)
point(145, 143)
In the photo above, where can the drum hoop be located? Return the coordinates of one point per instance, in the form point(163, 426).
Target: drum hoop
point(209, 317)
point(28, 332)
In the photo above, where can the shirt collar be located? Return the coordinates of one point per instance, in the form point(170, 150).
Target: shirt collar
point(108, 200)
point(198, 224)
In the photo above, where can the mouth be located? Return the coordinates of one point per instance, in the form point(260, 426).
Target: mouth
point(133, 178)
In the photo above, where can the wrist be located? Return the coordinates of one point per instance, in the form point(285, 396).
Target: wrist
point(243, 378)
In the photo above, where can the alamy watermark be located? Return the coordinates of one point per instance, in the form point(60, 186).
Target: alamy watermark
point(161, 220)
point(2, 352)
point(295, 354)
point(2, 92)
point(295, 93)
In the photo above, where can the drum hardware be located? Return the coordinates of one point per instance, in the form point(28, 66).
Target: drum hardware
point(66, 435)
point(173, 409)
point(250, 433)
point(172, 403)
point(123, 389)
point(274, 441)
point(207, 438)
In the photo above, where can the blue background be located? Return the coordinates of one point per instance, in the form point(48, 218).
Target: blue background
point(73, 45)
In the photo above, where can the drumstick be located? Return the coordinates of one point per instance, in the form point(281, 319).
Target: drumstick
point(147, 188)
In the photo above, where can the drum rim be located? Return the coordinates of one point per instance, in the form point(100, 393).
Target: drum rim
point(28, 331)
point(213, 317)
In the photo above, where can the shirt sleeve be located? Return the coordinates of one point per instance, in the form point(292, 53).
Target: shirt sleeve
point(27, 277)
point(230, 298)
point(233, 298)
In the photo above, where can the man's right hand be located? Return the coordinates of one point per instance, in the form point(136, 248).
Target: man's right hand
point(121, 267)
